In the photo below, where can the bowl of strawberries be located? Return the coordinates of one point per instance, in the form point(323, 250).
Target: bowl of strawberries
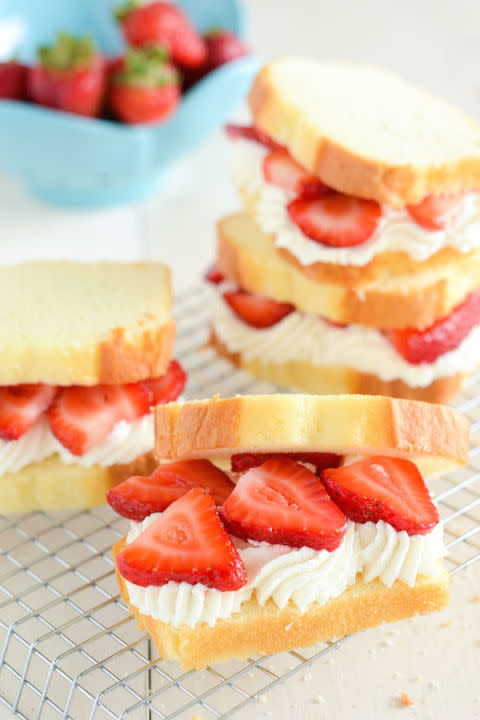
point(98, 98)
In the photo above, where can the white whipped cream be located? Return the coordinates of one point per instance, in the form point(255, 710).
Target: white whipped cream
point(395, 232)
point(125, 442)
point(301, 576)
point(390, 555)
point(35, 445)
point(306, 337)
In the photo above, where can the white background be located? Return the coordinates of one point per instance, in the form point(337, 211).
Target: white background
point(435, 43)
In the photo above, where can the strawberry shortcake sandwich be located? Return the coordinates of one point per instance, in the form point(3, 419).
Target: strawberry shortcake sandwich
point(279, 521)
point(355, 266)
point(85, 353)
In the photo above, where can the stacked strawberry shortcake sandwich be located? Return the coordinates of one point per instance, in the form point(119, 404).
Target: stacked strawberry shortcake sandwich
point(85, 353)
point(355, 266)
point(278, 521)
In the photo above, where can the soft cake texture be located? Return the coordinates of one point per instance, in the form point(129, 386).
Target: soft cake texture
point(52, 485)
point(305, 377)
point(365, 131)
point(264, 630)
point(69, 323)
point(435, 437)
point(392, 291)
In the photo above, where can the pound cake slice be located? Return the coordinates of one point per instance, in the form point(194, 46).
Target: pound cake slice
point(355, 266)
point(285, 520)
point(85, 353)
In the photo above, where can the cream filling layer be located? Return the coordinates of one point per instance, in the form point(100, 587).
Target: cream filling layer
point(125, 442)
point(304, 337)
point(395, 232)
point(301, 576)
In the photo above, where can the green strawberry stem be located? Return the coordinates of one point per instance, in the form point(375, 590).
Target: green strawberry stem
point(214, 32)
point(68, 52)
point(147, 68)
point(122, 11)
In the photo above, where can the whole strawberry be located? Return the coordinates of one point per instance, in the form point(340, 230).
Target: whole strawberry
point(70, 76)
point(13, 80)
point(222, 47)
point(144, 88)
point(161, 23)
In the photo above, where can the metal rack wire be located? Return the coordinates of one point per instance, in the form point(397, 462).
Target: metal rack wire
point(70, 647)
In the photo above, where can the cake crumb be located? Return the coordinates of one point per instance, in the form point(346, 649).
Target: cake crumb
point(261, 698)
point(330, 661)
point(387, 643)
point(307, 677)
point(406, 700)
point(396, 675)
point(371, 651)
point(476, 598)
point(446, 624)
point(434, 684)
point(319, 699)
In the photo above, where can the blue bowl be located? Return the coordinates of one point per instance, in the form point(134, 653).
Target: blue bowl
point(81, 162)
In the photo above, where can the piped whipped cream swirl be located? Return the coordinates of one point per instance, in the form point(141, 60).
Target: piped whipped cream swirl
point(304, 337)
point(124, 443)
point(395, 232)
point(302, 576)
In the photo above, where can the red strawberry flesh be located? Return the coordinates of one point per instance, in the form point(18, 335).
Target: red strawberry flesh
point(164, 24)
point(256, 310)
point(383, 488)
point(283, 502)
point(425, 346)
point(437, 212)
point(279, 168)
point(244, 461)
point(21, 406)
point(186, 543)
point(167, 387)
point(214, 276)
point(251, 132)
point(13, 80)
point(334, 219)
point(81, 417)
point(140, 496)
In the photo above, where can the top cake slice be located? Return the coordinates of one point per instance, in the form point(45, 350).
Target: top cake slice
point(67, 323)
point(365, 131)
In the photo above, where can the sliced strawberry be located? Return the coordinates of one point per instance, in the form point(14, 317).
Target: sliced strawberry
point(244, 461)
point(283, 502)
point(214, 276)
point(168, 387)
point(383, 488)
point(257, 310)
point(140, 496)
point(425, 346)
point(279, 168)
point(334, 219)
point(186, 543)
point(21, 406)
point(251, 132)
point(81, 417)
point(436, 212)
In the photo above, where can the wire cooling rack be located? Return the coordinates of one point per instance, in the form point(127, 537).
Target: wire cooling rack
point(70, 648)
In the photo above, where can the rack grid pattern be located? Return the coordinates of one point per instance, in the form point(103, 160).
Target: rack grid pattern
point(70, 648)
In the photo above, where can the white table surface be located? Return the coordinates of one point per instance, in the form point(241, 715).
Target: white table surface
point(436, 43)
